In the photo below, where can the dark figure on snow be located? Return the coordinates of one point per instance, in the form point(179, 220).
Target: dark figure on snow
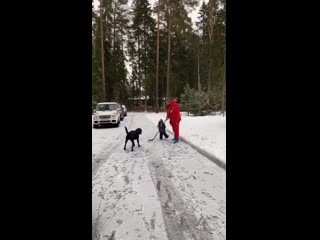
point(162, 129)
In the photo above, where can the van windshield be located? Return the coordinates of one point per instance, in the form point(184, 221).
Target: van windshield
point(106, 107)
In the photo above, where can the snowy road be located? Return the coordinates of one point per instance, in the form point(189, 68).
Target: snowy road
point(159, 191)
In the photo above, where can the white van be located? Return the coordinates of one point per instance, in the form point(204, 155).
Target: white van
point(107, 113)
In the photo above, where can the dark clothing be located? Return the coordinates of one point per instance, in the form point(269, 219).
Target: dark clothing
point(163, 134)
point(162, 129)
point(161, 126)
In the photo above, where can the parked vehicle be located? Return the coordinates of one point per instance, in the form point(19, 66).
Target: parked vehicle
point(94, 104)
point(121, 113)
point(107, 113)
point(124, 110)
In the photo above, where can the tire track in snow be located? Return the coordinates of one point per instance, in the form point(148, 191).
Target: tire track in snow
point(184, 214)
point(215, 224)
point(180, 222)
point(99, 158)
point(182, 211)
point(119, 184)
point(121, 171)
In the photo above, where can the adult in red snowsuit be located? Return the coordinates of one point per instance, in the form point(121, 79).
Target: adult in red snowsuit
point(174, 115)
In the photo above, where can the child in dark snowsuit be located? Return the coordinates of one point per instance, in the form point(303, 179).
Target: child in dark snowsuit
point(162, 129)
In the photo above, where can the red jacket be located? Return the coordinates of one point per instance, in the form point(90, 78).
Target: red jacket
point(174, 112)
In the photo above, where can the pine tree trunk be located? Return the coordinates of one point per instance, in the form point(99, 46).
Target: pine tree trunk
point(153, 99)
point(162, 94)
point(102, 54)
point(169, 51)
point(157, 71)
point(145, 69)
point(139, 68)
point(199, 85)
point(210, 69)
point(211, 35)
point(114, 26)
point(114, 40)
point(224, 85)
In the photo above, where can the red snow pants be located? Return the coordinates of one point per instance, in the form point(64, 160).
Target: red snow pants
point(175, 128)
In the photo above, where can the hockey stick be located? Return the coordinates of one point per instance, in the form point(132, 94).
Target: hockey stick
point(153, 137)
point(150, 140)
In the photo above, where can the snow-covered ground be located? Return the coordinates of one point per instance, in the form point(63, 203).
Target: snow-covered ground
point(206, 132)
point(159, 191)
